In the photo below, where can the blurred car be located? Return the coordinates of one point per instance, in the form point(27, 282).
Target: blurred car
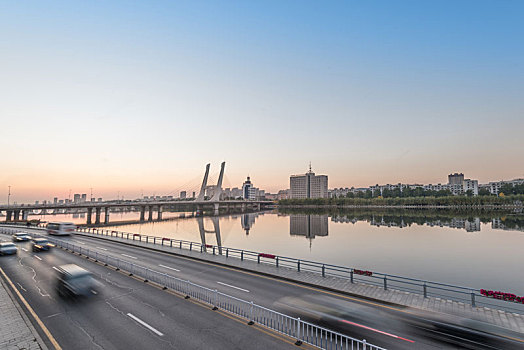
point(21, 237)
point(7, 248)
point(75, 281)
point(60, 228)
point(40, 244)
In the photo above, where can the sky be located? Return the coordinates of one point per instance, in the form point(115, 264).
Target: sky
point(129, 97)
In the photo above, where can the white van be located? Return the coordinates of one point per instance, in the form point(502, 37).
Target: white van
point(60, 228)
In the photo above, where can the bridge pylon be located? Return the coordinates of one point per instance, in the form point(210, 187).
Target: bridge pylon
point(218, 190)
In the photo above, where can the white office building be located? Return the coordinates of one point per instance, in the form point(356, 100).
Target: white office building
point(308, 185)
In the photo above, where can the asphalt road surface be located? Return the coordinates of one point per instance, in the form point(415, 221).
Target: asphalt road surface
point(128, 313)
point(379, 324)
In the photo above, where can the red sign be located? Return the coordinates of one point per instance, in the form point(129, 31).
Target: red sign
point(209, 246)
point(502, 296)
point(363, 272)
point(264, 255)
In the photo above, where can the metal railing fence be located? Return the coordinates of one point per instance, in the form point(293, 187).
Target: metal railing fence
point(302, 331)
point(467, 295)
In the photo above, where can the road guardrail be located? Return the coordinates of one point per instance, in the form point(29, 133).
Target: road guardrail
point(302, 331)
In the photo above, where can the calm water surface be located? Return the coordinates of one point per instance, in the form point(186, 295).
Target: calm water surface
point(486, 252)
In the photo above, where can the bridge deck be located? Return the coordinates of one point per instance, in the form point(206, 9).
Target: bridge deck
point(507, 320)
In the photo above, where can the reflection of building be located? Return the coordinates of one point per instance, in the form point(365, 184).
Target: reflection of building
point(308, 185)
point(308, 225)
point(501, 224)
point(247, 221)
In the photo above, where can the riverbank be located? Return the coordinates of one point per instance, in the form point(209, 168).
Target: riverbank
point(446, 202)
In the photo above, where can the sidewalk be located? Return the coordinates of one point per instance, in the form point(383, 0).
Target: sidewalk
point(16, 332)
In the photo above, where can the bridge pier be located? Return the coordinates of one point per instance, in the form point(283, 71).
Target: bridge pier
point(216, 206)
point(150, 218)
point(9, 215)
point(142, 213)
point(159, 217)
point(89, 214)
point(17, 215)
point(243, 207)
point(24, 215)
point(97, 215)
point(106, 215)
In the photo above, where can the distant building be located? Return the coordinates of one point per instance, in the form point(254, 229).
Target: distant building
point(455, 179)
point(308, 185)
point(55, 200)
point(76, 198)
point(495, 186)
point(249, 192)
point(84, 198)
point(99, 199)
point(183, 194)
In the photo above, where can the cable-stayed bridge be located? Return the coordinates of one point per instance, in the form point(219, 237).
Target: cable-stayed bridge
point(147, 208)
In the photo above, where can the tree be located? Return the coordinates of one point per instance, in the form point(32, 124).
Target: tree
point(484, 192)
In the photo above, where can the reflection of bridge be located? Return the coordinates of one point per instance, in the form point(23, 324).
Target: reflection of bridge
point(200, 203)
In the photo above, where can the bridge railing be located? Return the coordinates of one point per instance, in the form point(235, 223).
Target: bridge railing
point(463, 294)
point(301, 331)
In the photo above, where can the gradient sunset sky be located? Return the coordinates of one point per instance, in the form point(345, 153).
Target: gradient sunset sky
point(138, 96)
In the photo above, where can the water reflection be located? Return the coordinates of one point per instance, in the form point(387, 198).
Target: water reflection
point(308, 226)
point(216, 231)
point(470, 224)
point(247, 221)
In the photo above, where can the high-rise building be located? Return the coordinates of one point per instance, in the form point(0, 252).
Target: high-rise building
point(84, 198)
point(455, 179)
point(183, 194)
point(76, 198)
point(248, 190)
point(308, 185)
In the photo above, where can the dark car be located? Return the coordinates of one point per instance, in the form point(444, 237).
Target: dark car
point(74, 281)
point(39, 244)
point(21, 237)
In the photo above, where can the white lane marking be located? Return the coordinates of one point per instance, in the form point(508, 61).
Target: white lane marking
point(167, 267)
point(25, 250)
point(129, 256)
point(39, 258)
point(228, 285)
point(53, 315)
point(102, 248)
point(79, 242)
point(22, 288)
point(55, 268)
point(145, 324)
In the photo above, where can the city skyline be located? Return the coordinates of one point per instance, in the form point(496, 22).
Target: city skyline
point(135, 98)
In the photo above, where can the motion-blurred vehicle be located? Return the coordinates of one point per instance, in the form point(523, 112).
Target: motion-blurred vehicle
point(460, 331)
point(21, 237)
point(40, 244)
point(60, 228)
point(348, 318)
point(7, 248)
point(75, 281)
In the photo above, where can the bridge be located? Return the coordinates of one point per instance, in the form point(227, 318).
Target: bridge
point(15, 213)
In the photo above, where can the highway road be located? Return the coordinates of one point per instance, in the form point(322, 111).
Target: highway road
point(380, 324)
point(127, 314)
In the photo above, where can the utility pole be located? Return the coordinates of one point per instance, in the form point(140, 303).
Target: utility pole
point(8, 195)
